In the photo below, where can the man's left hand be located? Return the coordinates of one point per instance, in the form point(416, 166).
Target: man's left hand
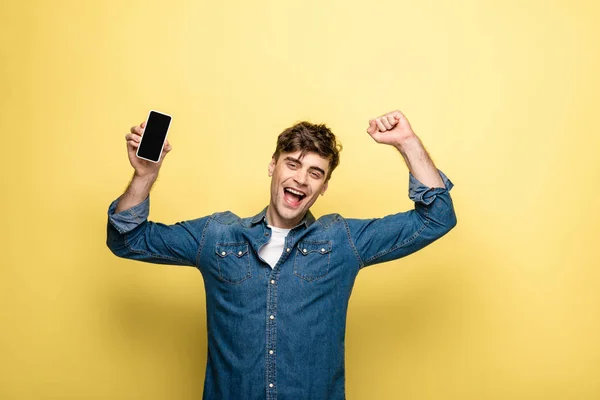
point(392, 128)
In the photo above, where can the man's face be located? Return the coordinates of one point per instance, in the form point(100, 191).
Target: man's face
point(296, 183)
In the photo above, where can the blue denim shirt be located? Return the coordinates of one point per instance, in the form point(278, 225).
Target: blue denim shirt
point(279, 333)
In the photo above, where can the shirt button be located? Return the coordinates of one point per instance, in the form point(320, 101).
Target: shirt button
point(270, 385)
point(322, 251)
point(240, 253)
point(223, 253)
point(272, 317)
point(304, 250)
point(272, 281)
point(270, 351)
point(288, 249)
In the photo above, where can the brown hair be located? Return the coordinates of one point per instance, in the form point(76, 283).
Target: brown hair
point(308, 137)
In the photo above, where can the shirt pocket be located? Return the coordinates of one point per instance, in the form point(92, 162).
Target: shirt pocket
point(312, 259)
point(233, 262)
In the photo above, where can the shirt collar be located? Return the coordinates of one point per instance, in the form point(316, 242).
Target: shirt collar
point(307, 221)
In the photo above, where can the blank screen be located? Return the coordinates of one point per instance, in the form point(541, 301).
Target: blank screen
point(154, 136)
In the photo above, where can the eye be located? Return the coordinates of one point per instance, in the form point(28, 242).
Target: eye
point(316, 175)
point(292, 165)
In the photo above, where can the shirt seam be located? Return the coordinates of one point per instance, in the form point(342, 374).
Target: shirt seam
point(361, 264)
point(201, 245)
point(117, 227)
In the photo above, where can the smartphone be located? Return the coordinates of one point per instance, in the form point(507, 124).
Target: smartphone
point(154, 136)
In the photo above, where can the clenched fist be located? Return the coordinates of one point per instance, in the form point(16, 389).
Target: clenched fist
point(392, 128)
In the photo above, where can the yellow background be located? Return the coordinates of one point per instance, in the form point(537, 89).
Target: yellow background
point(504, 95)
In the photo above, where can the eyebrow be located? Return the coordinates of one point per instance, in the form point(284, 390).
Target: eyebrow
point(288, 158)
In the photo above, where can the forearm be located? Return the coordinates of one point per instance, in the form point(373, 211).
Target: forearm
point(418, 162)
point(137, 191)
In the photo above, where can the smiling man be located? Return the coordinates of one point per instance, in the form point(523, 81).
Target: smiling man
point(301, 166)
point(278, 284)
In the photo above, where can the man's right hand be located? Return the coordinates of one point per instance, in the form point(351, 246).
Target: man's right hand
point(145, 174)
point(143, 168)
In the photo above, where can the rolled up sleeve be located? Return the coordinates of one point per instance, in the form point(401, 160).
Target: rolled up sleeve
point(419, 193)
point(127, 220)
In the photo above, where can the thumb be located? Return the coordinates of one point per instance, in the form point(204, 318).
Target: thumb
point(372, 127)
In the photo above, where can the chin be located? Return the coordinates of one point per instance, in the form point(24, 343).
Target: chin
point(290, 215)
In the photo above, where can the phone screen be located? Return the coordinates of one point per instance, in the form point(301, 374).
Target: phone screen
point(154, 136)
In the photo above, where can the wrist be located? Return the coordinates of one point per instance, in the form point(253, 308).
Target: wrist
point(407, 143)
point(141, 184)
point(145, 177)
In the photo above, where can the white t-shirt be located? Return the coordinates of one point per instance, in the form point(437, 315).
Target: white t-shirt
point(271, 252)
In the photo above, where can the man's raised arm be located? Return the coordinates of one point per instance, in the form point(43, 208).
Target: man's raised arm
point(130, 234)
point(394, 236)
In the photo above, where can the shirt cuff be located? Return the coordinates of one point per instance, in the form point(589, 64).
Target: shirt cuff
point(418, 192)
point(128, 220)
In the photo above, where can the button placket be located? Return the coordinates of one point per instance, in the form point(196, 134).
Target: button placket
point(272, 319)
point(272, 334)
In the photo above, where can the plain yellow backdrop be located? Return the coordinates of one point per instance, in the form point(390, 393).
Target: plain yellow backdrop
point(504, 94)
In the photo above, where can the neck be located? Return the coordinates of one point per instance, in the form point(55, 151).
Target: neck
point(275, 220)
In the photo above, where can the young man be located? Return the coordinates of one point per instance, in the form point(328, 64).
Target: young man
point(278, 284)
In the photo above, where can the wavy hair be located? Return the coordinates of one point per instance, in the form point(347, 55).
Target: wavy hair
point(307, 137)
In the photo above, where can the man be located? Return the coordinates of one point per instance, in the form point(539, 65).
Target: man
point(278, 284)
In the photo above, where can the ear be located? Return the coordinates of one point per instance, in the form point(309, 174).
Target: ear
point(271, 166)
point(324, 188)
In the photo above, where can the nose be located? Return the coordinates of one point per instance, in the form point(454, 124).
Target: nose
point(301, 177)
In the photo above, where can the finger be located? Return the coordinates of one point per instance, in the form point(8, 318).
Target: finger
point(394, 119)
point(385, 121)
point(380, 125)
point(133, 136)
point(398, 115)
point(143, 125)
point(133, 144)
point(137, 130)
point(401, 118)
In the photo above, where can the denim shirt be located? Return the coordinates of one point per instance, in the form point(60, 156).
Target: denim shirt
point(279, 333)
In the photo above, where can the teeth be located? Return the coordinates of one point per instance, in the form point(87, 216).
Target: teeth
point(295, 192)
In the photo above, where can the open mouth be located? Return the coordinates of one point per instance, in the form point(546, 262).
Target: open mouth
point(293, 196)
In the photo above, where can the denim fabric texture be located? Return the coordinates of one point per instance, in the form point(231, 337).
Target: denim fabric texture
point(279, 333)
